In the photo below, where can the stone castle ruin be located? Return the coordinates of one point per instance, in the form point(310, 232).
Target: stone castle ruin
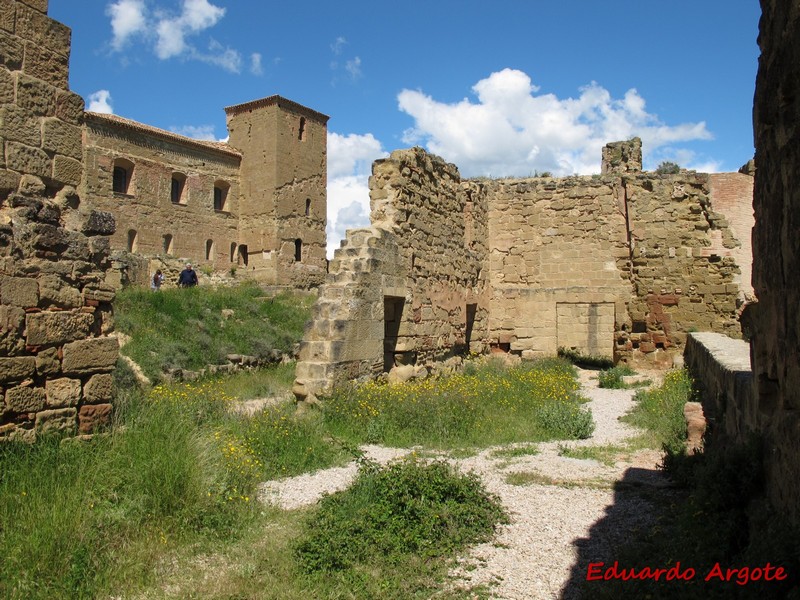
point(256, 204)
point(620, 265)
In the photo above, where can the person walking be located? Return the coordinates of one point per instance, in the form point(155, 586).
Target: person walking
point(187, 278)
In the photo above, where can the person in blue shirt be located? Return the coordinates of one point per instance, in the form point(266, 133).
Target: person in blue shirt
point(187, 278)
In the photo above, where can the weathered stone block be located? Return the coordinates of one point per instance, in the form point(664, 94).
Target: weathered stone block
point(35, 26)
point(90, 356)
point(25, 399)
point(11, 51)
point(62, 138)
point(94, 417)
point(19, 291)
point(69, 107)
point(6, 85)
point(48, 328)
point(67, 170)
point(99, 389)
point(47, 362)
point(7, 15)
point(99, 222)
point(35, 95)
point(12, 319)
point(54, 291)
point(40, 5)
point(100, 292)
point(17, 368)
point(59, 421)
point(27, 159)
point(44, 64)
point(63, 392)
point(9, 181)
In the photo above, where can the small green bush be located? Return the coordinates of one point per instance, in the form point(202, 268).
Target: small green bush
point(612, 378)
point(668, 168)
point(391, 513)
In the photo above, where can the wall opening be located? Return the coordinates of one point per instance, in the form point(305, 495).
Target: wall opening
point(301, 132)
point(471, 311)
point(167, 243)
point(392, 317)
point(308, 206)
point(298, 250)
point(209, 249)
point(242, 255)
point(221, 189)
point(177, 190)
point(233, 251)
point(122, 176)
point(133, 240)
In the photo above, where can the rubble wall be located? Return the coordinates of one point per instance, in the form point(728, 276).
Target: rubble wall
point(773, 323)
point(56, 354)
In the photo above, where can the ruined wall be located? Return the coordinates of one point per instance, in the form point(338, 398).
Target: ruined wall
point(283, 199)
point(149, 222)
point(774, 321)
point(410, 290)
point(56, 355)
point(558, 264)
point(684, 265)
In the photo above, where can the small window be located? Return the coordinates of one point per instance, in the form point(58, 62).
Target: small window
point(301, 133)
point(167, 243)
point(122, 174)
point(133, 240)
point(298, 250)
point(209, 249)
point(233, 251)
point(308, 206)
point(177, 190)
point(221, 195)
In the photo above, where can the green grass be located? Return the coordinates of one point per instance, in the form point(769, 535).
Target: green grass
point(185, 328)
point(480, 407)
point(607, 455)
point(612, 378)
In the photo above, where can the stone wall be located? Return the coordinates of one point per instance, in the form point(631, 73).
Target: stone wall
point(620, 265)
point(56, 354)
point(773, 323)
point(409, 290)
point(150, 223)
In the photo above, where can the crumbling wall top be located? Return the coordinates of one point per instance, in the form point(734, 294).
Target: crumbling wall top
point(622, 157)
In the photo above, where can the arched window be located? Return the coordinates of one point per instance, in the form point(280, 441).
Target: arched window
point(221, 189)
point(233, 251)
point(168, 243)
point(209, 249)
point(243, 258)
point(301, 132)
point(177, 190)
point(298, 250)
point(122, 176)
point(133, 240)
point(308, 206)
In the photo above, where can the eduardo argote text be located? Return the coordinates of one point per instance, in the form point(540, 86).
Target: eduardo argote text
point(599, 571)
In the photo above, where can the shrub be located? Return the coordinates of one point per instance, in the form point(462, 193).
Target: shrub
point(668, 168)
point(612, 378)
point(390, 513)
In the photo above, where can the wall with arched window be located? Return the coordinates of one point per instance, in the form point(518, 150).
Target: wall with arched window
point(209, 249)
point(221, 189)
point(167, 244)
point(122, 175)
point(178, 188)
point(133, 240)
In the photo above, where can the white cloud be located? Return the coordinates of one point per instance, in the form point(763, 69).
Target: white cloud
point(128, 18)
point(255, 64)
point(349, 166)
point(353, 67)
point(197, 132)
point(100, 102)
point(168, 32)
point(337, 45)
point(513, 130)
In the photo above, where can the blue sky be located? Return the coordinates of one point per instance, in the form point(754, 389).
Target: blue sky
point(501, 88)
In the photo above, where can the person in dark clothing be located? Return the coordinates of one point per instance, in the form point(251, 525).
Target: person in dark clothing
point(187, 278)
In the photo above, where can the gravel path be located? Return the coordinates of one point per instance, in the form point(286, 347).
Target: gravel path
point(573, 512)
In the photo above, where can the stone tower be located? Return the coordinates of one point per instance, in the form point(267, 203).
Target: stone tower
point(282, 212)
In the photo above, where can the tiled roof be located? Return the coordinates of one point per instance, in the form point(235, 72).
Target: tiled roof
point(276, 101)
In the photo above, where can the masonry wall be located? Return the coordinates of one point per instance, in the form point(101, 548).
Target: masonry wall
point(773, 323)
point(559, 264)
point(283, 200)
point(56, 354)
point(151, 223)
